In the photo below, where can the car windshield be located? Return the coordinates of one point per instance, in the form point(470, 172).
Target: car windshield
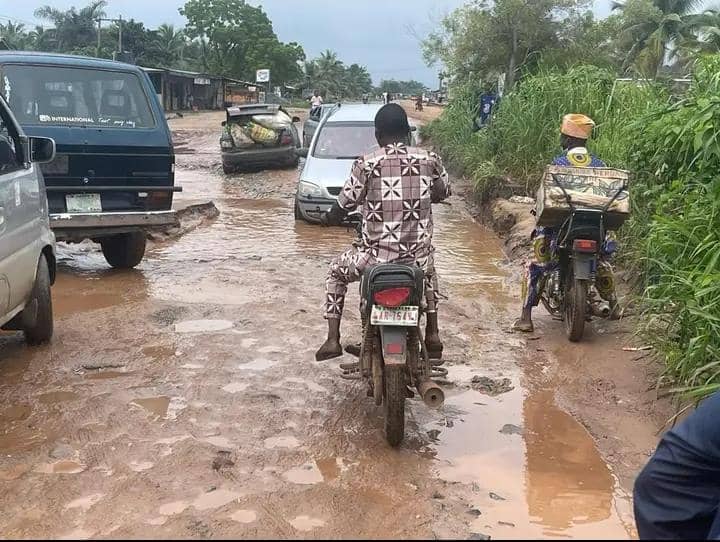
point(345, 140)
point(50, 95)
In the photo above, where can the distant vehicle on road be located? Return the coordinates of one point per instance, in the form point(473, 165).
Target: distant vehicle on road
point(314, 119)
point(114, 174)
point(259, 136)
point(27, 245)
point(343, 135)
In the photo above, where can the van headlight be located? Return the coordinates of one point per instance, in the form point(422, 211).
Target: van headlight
point(309, 190)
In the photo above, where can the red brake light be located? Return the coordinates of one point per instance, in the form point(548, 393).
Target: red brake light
point(394, 297)
point(584, 245)
point(286, 139)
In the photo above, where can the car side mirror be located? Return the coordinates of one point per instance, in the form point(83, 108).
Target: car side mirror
point(42, 150)
point(223, 123)
point(296, 119)
point(302, 153)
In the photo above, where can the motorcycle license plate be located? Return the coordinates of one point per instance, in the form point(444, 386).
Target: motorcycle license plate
point(399, 316)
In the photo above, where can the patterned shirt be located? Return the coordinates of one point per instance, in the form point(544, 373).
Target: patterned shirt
point(578, 157)
point(395, 188)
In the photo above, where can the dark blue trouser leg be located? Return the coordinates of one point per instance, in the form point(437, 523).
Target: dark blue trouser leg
point(678, 492)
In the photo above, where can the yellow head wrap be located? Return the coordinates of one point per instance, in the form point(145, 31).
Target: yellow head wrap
point(576, 125)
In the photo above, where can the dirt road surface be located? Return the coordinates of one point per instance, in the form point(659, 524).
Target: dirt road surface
point(182, 399)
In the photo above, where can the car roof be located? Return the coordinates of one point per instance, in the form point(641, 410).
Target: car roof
point(355, 113)
point(32, 57)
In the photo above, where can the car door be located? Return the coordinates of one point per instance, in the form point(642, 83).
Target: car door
point(311, 125)
point(21, 216)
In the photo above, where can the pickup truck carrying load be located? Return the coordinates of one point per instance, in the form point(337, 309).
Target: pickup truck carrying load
point(113, 177)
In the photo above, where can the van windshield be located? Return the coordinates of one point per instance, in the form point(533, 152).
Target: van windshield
point(58, 95)
point(345, 140)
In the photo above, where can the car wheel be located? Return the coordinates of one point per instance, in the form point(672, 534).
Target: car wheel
point(37, 318)
point(298, 215)
point(124, 251)
point(227, 170)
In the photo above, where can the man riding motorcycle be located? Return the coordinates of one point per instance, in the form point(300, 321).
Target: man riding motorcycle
point(394, 188)
point(575, 131)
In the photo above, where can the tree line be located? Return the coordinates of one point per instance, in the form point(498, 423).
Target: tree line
point(647, 38)
point(222, 37)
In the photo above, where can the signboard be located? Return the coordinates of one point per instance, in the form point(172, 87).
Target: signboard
point(262, 76)
point(202, 81)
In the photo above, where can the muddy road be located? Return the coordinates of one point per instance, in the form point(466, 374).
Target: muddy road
point(182, 399)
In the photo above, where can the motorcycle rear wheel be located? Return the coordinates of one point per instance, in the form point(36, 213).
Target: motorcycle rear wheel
point(575, 308)
point(394, 404)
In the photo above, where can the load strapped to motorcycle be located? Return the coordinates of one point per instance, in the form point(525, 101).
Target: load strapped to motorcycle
point(580, 205)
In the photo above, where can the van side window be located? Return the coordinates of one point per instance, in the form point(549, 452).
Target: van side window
point(9, 145)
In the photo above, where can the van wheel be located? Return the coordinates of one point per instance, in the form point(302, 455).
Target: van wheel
point(39, 329)
point(124, 251)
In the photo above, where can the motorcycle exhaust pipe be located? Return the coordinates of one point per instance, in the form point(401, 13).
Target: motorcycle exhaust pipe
point(431, 393)
point(601, 309)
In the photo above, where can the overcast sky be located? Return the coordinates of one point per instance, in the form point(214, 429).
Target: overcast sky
point(374, 33)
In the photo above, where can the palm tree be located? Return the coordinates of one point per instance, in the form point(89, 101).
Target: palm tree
point(657, 37)
point(330, 73)
point(170, 44)
point(74, 29)
point(14, 35)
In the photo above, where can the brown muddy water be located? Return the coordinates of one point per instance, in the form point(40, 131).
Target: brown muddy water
point(183, 400)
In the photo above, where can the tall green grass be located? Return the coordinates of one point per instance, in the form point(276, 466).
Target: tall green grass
point(672, 242)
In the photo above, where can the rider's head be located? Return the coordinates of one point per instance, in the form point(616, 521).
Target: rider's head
point(576, 129)
point(316, 93)
point(391, 125)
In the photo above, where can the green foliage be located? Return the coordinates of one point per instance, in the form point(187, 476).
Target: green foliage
point(239, 39)
point(412, 88)
point(524, 134)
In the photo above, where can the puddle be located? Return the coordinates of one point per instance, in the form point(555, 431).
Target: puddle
point(102, 375)
point(159, 352)
point(54, 397)
point(330, 467)
point(306, 523)
point(215, 499)
point(157, 521)
point(156, 406)
point(140, 466)
point(172, 508)
point(60, 467)
point(78, 534)
point(220, 442)
point(15, 413)
point(192, 366)
point(312, 386)
point(85, 503)
point(203, 326)
point(307, 474)
point(244, 516)
point(235, 387)
point(281, 442)
point(565, 490)
point(257, 365)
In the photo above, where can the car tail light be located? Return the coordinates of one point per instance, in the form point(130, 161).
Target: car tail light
point(286, 139)
point(395, 348)
point(394, 297)
point(584, 245)
point(159, 200)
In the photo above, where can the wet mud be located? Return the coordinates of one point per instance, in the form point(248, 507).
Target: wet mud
point(182, 399)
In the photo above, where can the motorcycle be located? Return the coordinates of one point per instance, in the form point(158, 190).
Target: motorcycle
point(567, 292)
point(393, 357)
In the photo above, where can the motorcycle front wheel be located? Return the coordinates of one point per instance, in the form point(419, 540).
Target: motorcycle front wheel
point(575, 307)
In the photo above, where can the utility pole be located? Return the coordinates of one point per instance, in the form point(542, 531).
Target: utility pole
point(119, 22)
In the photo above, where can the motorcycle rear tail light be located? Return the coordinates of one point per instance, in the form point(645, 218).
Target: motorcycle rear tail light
point(393, 297)
point(395, 348)
point(584, 245)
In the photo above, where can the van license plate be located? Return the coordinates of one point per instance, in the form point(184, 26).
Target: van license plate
point(83, 203)
point(400, 316)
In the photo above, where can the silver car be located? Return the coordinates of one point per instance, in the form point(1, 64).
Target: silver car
point(313, 121)
point(343, 136)
point(27, 245)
